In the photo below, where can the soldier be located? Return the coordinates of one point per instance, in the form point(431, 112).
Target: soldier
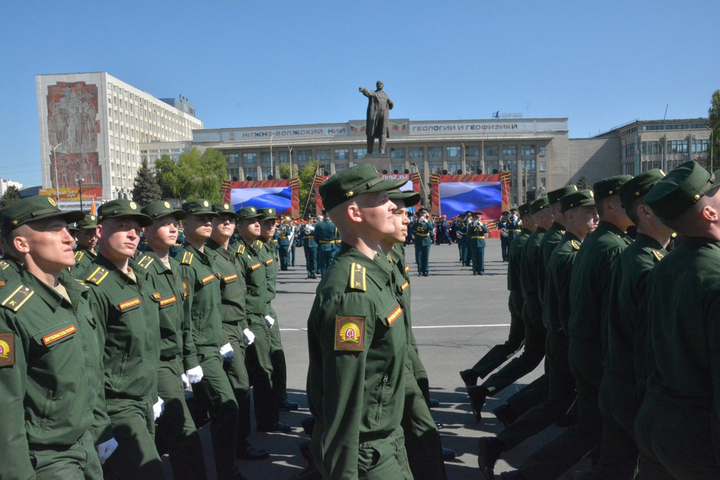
point(268, 255)
point(310, 246)
point(504, 226)
point(515, 224)
point(178, 356)
point(462, 231)
point(476, 243)
point(286, 237)
point(84, 232)
point(422, 229)
point(326, 236)
point(676, 427)
point(50, 361)
point(129, 332)
point(581, 218)
point(202, 306)
point(9, 265)
point(443, 231)
point(357, 339)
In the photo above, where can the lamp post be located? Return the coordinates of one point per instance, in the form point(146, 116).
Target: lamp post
point(272, 170)
point(57, 182)
point(80, 180)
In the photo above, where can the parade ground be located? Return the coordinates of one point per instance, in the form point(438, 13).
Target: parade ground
point(457, 318)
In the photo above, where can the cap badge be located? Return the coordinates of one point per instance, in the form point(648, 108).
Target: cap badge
point(92, 217)
point(226, 206)
point(133, 206)
point(350, 193)
point(205, 203)
point(52, 202)
point(166, 204)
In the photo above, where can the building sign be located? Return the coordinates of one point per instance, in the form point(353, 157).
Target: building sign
point(249, 134)
point(68, 194)
point(489, 126)
point(506, 115)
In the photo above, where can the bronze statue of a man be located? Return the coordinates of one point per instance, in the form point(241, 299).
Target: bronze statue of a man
point(378, 116)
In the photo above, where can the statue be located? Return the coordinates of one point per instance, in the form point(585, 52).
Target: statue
point(378, 116)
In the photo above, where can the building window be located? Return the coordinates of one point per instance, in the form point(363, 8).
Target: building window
point(322, 155)
point(249, 158)
point(397, 153)
point(232, 158)
point(509, 151)
point(472, 166)
point(629, 150)
point(359, 153)
point(341, 166)
point(282, 156)
point(266, 158)
point(453, 152)
point(492, 166)
point(510, 166)
point(400, 167)
point(434, 152)
point(699, 146)
point(491, 151)
point(528, 165)
point(528, 150)
point(543, 166)
point(415, 153)
point(454, 166)
point(266, 172)
point(472, 151)
point(304, 155)
point(542, 151)
point(650, 148)
point(435, 167)
point(342, 154)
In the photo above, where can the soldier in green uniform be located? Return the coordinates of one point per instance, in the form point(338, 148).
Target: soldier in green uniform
point(203, 307)
point(325, 236)
point(84, 232)
point(50, 361)
point(257, 337)
point(676, 427)
point(422, 230)
point(626, 359)
point(475, 241)
point(581, 218)
point(178, 357)
point(310, 246)
point(122, 302)
point(499, 354)
point(9, 265)
point(461, 233)
point(269, 257)
point(357, 339)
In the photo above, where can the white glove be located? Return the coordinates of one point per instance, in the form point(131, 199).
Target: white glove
point(105, 449)
point(227, 351)
point(248, 337)
point(195, 374)
point(158, 408)
point(270, 321)
point(185, 381)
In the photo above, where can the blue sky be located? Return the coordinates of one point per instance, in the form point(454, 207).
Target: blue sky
point(280, 62)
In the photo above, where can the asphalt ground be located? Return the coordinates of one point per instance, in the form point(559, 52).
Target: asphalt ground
point(457, 318)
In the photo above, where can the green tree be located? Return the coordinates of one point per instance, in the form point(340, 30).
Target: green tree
point(11, 195)
point(146, 188)
point(194, 175)
point(714, 125)
point(583, 182)
point(306, 192)
point(284, 170)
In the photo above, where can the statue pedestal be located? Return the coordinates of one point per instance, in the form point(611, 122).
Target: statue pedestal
point(381, 161)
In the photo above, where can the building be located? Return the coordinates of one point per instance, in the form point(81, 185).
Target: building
point(4, 184)
point(92, 126)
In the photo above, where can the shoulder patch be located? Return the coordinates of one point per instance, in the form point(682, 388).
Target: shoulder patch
point(350, 334)
point(145, 261)
point(658, 256)
point(79, 255)
point(7, 349)
point(357, 277)
point(187, 258)
point(17, 298)
point(575, 245)
point(97, 276)
point(405, 285)
point(241, 249)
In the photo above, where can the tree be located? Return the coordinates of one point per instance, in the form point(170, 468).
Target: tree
point(194, 176)
point(11, 195)
point(284, 170)
point(714, 125)
point(306, 192)
point(582, 182)
point(146, 188)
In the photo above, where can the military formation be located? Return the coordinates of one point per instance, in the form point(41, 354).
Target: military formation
point(112, 356)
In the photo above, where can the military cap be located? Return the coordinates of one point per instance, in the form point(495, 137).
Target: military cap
point(524, 209)
point(267, 213)
point(352, 182)
point(34, 208)
point(224, 209)
point(514, 209)
point(581, 198)
point(87, 223)
point(248, 213)
point(555, 195)
point(410, 197)
point(539, 204)
point(123, 208)
point(198, 207)
point(639, 185)
point(423, 209)
point(679, 190)
point(468, 212)
point(161, 208)
point(609, 186)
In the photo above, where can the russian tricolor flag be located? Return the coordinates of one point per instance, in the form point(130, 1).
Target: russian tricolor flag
point(456, 198)
point(279, 198)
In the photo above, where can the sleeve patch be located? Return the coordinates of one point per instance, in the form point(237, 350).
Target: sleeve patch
point(230, 278)
point(168, 301)
point(187, 258)
point(357, 277)
point(17, 298)
point(350, 334)
point(97, 276)
point(394, 315)
point(145, 261)
point(129, 304)
point(7, 349)
point(405, 285)
point(256, 266)
point(186, 287)
point(207, 279)
point(59, 335)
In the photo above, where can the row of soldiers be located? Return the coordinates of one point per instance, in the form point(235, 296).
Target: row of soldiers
point(627, 330)
point(95, 352)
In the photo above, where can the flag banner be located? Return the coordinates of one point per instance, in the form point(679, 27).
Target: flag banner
point(455, 194)
point(413, 183)
point(282, 195)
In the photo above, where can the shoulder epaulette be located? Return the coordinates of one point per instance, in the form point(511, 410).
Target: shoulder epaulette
point(81, 282)
point(575, 245)
point(17, 298)
point(357, 277)
point(187, 258)
point(146, 260)
point(658, 256)
point(241, 249)
point(4, 264)
point(257, 244)
point(79, 255)
point(97, 276)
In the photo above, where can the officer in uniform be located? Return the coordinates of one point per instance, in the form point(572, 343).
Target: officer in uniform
point(84, 232)
point(310, 246)
point(50, 361)
point(202, 306)
point(129, 332)
point(476, 243)
point(422, 230)
point(326, 236)
point(515, 224)
point(357, 339)
point(9, 265)
point(676, 427)
point(581, 219)
point(462, 233)
point(504, 226)
point(269, 257)
point(285, 239)
point(178, 356)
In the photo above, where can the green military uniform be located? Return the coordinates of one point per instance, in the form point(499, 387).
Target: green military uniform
point(475, 241)
point(83, 257)
point(676, 427)
point(461, 233)
point(357, 344)
point(9, 269)
point(176, 429)
point(422, 232)
point(203, 307)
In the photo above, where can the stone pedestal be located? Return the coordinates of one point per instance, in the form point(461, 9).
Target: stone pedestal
point(381, 161)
